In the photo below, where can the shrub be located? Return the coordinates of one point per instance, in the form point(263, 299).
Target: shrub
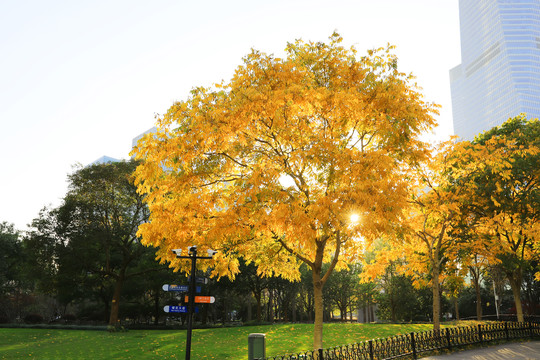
point(117, 328)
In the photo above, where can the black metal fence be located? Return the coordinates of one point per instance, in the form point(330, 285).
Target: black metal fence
point(410, 346)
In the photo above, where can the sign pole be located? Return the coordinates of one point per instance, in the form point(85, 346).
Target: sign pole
point(191, 304)
point(192, 255)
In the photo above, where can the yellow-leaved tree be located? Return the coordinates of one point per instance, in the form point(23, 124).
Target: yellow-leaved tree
point(271, 165)
point(474, 203)
point(425, 245)
point(503, 197)
point(431, 244)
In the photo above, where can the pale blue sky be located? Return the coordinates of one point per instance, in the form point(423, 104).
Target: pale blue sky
point(80, 79)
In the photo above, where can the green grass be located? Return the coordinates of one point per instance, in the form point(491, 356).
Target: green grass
point(219, 343)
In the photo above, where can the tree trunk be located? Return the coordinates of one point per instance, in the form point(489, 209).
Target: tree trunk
point(515, 284)
point(436, 298)
point(318, 297)
point(478, 302)
point(365, 313)
point(392, 307)
point(456, 307)
point(475, 273)
point(115, 304)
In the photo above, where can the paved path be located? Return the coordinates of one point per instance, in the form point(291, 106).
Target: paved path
point(517, 351)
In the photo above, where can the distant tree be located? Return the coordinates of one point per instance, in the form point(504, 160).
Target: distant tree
point(306, 300)
point(504, 197)
point(468, 302)
point(10, 256)
point(249, 281)
point(144, 290)
point(11, 270)
point(343, 290)
point(453, 286)
point(477, 268)
point(367, 300)
point(397, 296)
point(98, 222)
point(531, 290)
point(41, 246)
point(284, 295)
point(424, 248)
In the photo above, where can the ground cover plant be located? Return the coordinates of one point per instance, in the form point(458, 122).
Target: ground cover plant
point(218, 343)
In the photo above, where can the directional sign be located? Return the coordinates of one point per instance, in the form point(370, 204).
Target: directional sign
point(178, 309)
point(203, 299)
point(180, 288)
point(175, 309)
point(199, 280)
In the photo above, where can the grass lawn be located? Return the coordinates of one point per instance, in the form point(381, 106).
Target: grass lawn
point(219, 343)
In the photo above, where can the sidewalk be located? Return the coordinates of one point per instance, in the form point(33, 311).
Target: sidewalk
point(518, 351)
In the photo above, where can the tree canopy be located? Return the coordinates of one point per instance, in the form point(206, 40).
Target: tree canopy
point(271, 165)
point(476, 203)
point(89, 246)
point(11, 266)
point(504, 196)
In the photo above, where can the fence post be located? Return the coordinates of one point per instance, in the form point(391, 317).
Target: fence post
point(321, 355)
point(448, 339)
point(506, 331)
point(371, 357)
point(413, 345)
point(480, 333)
point(531, 330)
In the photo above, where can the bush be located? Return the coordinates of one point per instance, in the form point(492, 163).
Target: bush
point(117, 328)
point(3, 319)
point(33, 319)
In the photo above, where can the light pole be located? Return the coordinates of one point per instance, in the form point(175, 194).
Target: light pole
point(192, 255)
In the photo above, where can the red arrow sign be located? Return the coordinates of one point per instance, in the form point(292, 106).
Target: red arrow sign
point(203, 299)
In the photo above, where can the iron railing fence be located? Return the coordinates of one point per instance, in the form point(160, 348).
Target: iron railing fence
point(410, 346)
point(504, 317)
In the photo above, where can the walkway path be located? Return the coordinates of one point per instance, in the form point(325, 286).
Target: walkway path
point(516, 351)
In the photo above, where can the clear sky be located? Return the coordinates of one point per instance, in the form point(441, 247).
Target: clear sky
point(80, 79)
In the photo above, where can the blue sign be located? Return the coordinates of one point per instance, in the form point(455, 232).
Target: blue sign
point(178, 309)
point(180, 288)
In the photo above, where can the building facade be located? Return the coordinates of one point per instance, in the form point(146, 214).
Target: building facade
point(499, 74)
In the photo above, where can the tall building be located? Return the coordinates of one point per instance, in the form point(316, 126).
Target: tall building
point(105, 160)
point(139, 137)
point(499, 74)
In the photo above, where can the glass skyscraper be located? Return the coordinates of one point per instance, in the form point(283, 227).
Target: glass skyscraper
point(499, 74)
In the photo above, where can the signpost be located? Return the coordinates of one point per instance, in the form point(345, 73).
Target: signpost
point(179, 288)
point(192, 255)
point(178, 309)
point(199, 280)
point(202, 299)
